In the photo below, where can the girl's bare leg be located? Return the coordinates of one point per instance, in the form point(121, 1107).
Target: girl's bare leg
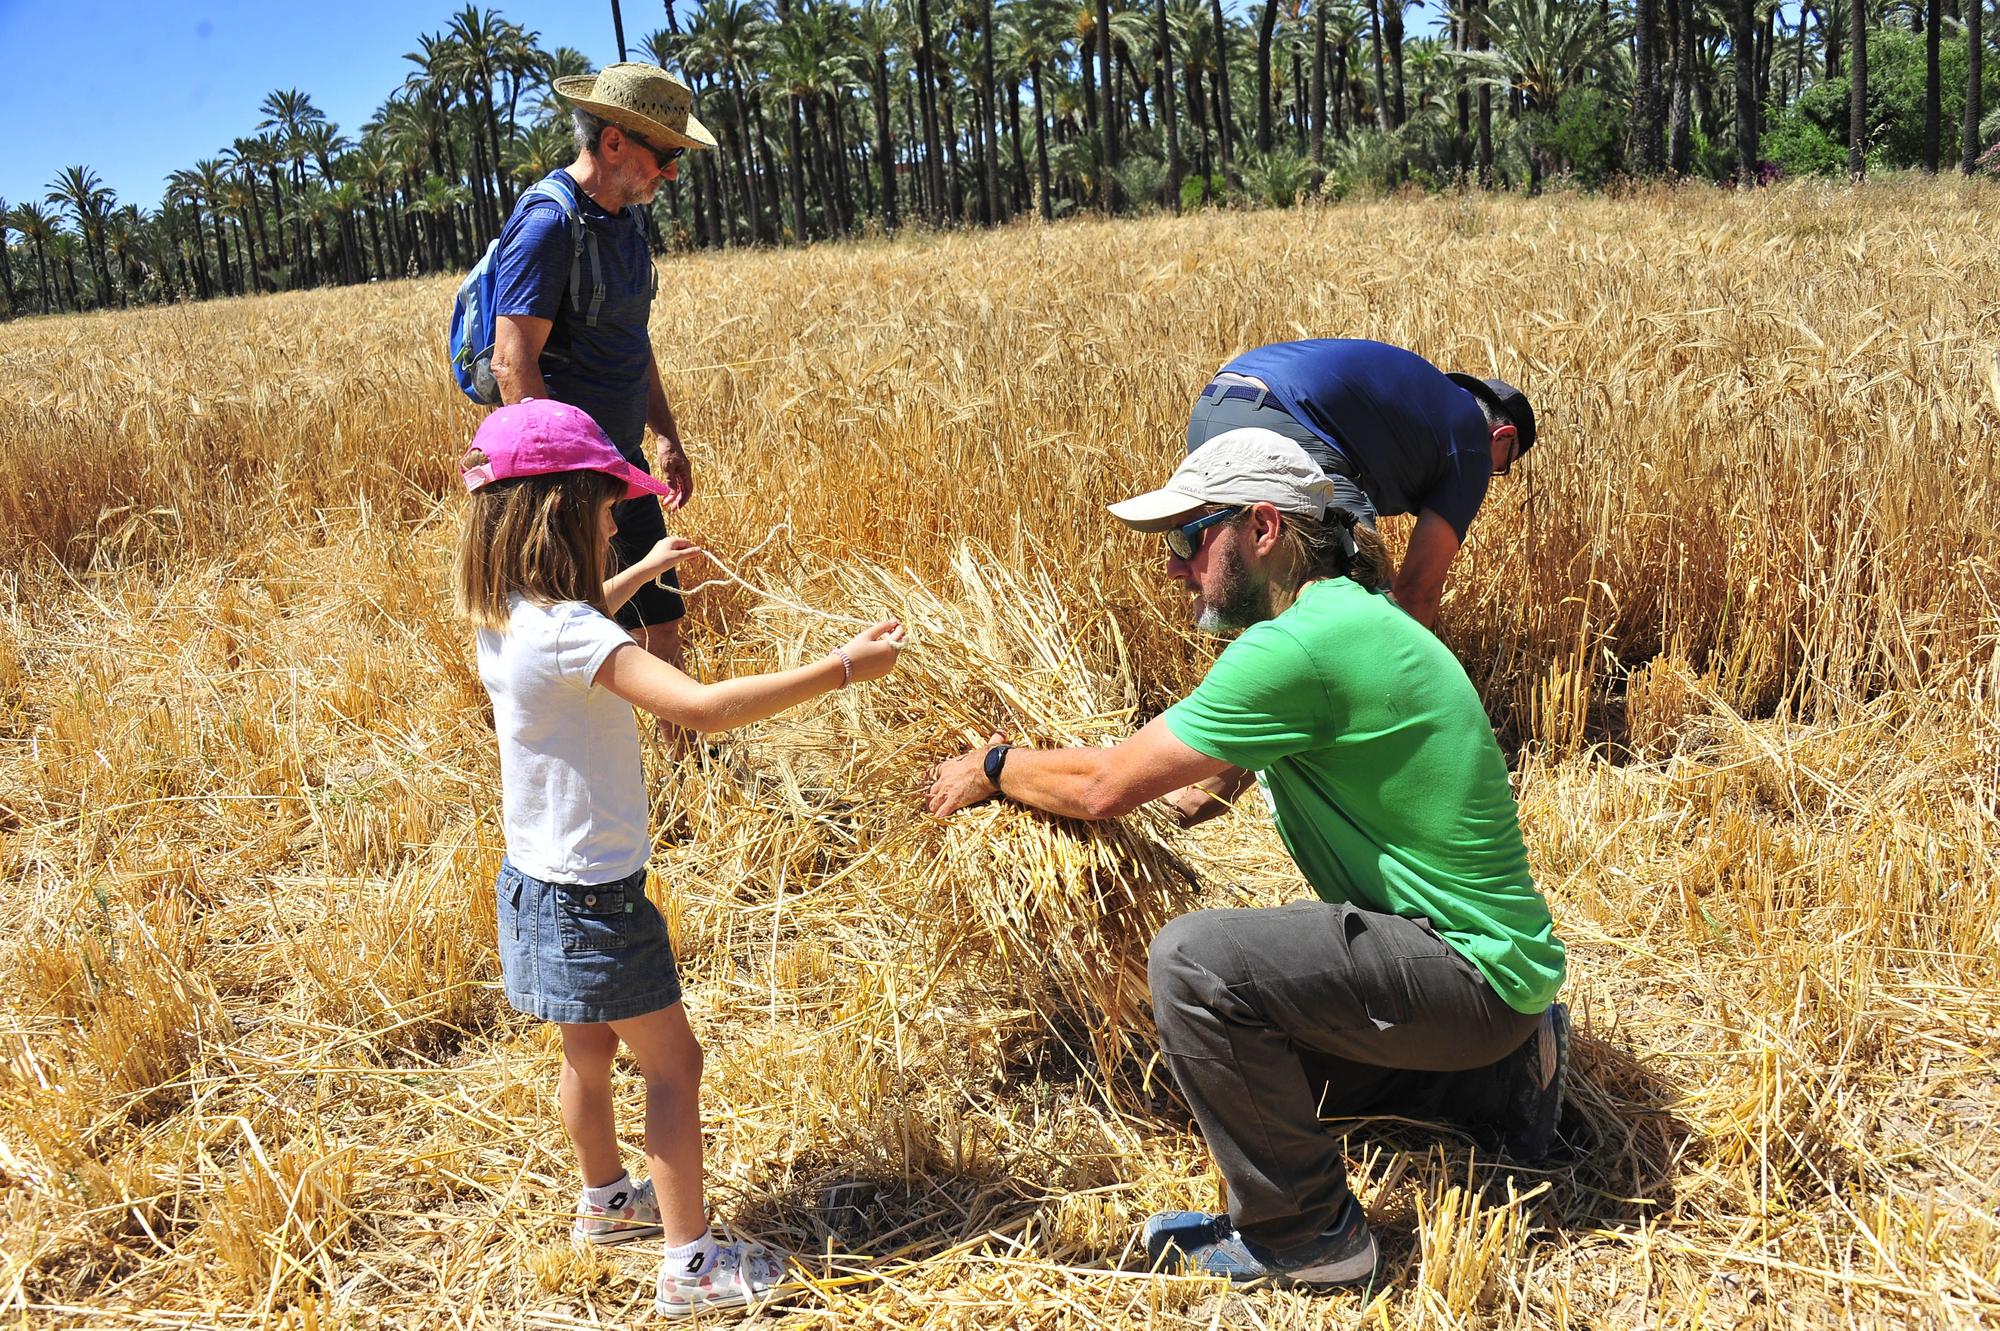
point(670, 1061)
point(584, 1092)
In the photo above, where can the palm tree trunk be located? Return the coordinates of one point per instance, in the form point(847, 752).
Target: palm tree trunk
point(42, 274)
point(797, 173)
point(927, 102)
point(1220, 74)
point(1680, 109)
point(1857, 98)
point(1041, 140)
point(1975, 55)
point(954, 181)
point(1742, 38)
point(1933, 100)
point(1167, 115)
point(1107, 108)
point(1799, 56)
point(1375, 36)
point(1392, 32)
point(1264, 30)
point(885, 148)
point(989, 117)
point(1647, 143)
point(1023, 193)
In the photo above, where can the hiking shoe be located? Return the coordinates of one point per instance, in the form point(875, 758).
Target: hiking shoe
point(740, 1275)
point(1196, 1243)
point(633, 1214)
point(1536, 1074)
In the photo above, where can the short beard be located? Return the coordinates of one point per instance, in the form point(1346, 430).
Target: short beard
point(1238, 602)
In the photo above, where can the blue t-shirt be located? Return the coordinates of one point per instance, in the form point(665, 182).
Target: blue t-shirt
point(603, 369)
point(1418, 439)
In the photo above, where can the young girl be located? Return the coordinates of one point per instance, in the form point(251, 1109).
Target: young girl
point(580, 943)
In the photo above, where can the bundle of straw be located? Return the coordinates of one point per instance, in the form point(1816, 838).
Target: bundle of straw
point(1056, 913)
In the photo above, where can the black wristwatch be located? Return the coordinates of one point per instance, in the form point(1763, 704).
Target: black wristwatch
point(996, 758)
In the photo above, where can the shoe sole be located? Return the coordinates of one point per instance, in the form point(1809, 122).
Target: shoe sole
point(1559, 1025)
point(1346, 1272)
point(624, 1234)
point(677, 1311)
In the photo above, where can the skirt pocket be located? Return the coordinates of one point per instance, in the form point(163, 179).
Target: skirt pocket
point(599, 918)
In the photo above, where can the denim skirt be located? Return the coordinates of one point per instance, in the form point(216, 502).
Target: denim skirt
point(580, 953)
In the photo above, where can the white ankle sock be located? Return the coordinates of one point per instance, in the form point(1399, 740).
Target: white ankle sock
point(690, 1258)
point(613, 1195)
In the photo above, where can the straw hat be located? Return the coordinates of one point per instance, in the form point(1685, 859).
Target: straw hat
point(642, 98)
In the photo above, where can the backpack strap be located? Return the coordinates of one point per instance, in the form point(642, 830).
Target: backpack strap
point(559, 190)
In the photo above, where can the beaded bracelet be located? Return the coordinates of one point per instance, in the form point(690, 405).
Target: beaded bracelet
point(846, 666)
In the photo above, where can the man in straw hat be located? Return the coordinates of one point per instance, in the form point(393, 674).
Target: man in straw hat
point(1422, 981)
point(1394, 433)
point(573, 300)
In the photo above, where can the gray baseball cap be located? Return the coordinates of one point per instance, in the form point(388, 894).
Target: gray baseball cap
point(1246, 466)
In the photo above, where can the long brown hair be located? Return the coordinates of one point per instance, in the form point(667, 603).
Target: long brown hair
point(536, 535)
point(1322, 552)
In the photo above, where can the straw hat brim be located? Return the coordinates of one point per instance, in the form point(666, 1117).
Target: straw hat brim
point(576, 89)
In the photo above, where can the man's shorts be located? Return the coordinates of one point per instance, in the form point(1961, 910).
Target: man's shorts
point(1233, 404)
point(640, 527)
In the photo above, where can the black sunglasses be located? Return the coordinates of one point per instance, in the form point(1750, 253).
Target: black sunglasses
point(662, 157)
point(1184, 541)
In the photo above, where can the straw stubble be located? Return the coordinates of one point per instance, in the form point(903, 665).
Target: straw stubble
point(1735, 621)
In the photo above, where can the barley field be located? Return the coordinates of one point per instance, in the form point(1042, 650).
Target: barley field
point(1737, 621)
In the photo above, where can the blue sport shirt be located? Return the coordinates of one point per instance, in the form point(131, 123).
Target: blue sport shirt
point(1418, 439)
point(603, 369)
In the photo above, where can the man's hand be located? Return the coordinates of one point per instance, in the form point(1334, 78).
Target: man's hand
point(1208, 798)
point(960, 782)
point(674, 470)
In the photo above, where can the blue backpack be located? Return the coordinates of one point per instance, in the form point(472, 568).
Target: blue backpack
point(471, 337)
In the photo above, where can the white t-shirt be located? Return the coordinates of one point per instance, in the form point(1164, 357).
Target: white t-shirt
point(572, 792)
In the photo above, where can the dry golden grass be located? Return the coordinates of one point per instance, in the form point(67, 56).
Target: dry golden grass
point(1739, 620)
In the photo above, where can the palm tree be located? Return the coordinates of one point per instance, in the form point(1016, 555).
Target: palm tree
point(1975, 70)
point(65, 248)
point(876, 33)
point(793, 59)
point(125, 240)
point(1649, 146)
point(188, 187)
point(38, 225)
point(1743, 44)
point(1857, 101)
point(727, 37)
point(1542, 49)
point(6, 261)
point(289, 111)
point(246, 157)
point(80, 190)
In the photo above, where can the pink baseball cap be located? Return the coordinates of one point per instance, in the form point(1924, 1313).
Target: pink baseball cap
point(537, 437)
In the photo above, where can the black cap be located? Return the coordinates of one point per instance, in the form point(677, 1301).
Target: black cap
point(1506, 399)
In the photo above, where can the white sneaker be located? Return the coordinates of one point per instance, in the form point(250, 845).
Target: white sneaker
point(636, 1215)
point(740, 1275)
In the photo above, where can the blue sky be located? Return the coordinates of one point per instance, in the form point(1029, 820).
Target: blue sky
point(135, 90)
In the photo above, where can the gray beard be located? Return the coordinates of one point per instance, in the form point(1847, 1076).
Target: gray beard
point(1238, 603)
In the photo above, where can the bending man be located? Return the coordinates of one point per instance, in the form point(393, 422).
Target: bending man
point(1395, 434)
point(1422, 978)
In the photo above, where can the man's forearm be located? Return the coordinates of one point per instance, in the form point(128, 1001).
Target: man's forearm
point(1070, 783)
point(660, 412)
point(519, 380)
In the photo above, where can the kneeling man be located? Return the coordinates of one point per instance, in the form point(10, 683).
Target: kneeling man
point(1421, 982)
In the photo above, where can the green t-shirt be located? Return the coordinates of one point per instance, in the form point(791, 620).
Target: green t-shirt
point(1383, 776)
